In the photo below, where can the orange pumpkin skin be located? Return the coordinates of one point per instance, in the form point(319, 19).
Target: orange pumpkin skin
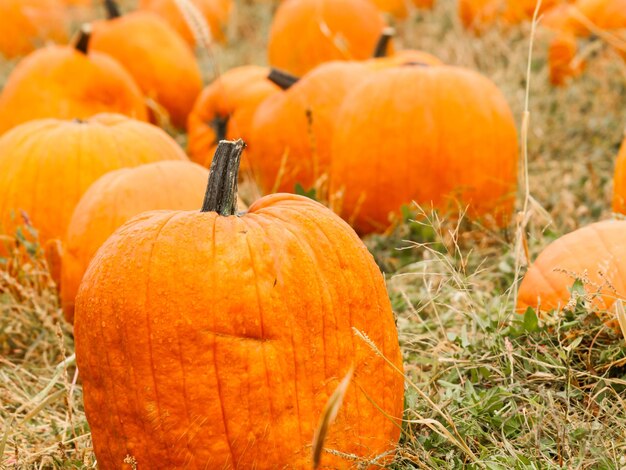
point(216, 13)
point(230, 334)
point(445, 136)
point(61, 82)
point(114, 199)
point(159, 60)
point(400, 8)
point(480, 14)
point(599, 247)
point(26, 24)
point(619, 181)
point(306, 33)
point(291, 131)
point(404, 57)
point(606, 15)
point(47, 165)
point(224, 110)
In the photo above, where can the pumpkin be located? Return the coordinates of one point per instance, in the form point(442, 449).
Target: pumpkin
point(67, 82)
point(114, 199)
point(26, 24)
point(235, 330)
point(596, 252)
point(401, 8)
point(306, 33)
point(619, 181)
point(479, 14)
point(580, 20)
point(159, 60)
point(224, 110)
point(292, 130)
point(443, 136)
point(216, 13)
point(46, 165)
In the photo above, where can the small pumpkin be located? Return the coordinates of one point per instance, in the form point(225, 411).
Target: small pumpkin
point(569, 23)
point(306, 33)
point(236, 330)
point(224, 110)
point(596, 252)
point(27, 24)
point(68, 82)
point(443, 136)
point(217, 14)
point(157, 57)
point(292, 130)
point(480, 14)
point(46, 165)
point(114, 199)
point(619, 181)
point(384, 56)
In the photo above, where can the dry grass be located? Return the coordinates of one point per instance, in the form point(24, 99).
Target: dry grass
point(521, 392)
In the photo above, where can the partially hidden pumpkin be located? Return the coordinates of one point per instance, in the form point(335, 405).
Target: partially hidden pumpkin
point(582, 19)
point(46, 165)
point(443, 137)
point(27, 24)
point(68, 82)
point(306, 33)
point(224, 110)
point(595, 254)
point(292, 130)
point(216, 13)
point(478, 15)
point(210, 339)
point(401, 8)
point(157, 57)
point(114, 199)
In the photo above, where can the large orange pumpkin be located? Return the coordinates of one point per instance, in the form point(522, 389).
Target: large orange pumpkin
point(442, 135)
point(619, 181)
point(596, 253)
point(216, 13)
point(306, 33)
point(156, 56)
point(27, 24)
point(214, 340)
point(67, 82)
point(114, 199)
point(292, 130)
point(224, 110)
point(47, 165)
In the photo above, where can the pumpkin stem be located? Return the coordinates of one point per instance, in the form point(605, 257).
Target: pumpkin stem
point(113, 9)
point(81, 42)
point(221, 191)
point(283, 79)
point(219, 124)
point(382, 46)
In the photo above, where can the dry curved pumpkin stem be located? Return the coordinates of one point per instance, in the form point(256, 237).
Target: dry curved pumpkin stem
point(81, 41)
point(382, 46)
point(221, 191)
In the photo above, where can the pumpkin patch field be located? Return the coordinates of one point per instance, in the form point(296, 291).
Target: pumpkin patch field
point(312, 234)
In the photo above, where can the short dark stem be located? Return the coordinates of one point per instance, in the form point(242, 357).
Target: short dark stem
point(382, 46)
point(112, 8)
point(283, 79)
point(221, 191)
point(219, 124)
point(81, 43)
